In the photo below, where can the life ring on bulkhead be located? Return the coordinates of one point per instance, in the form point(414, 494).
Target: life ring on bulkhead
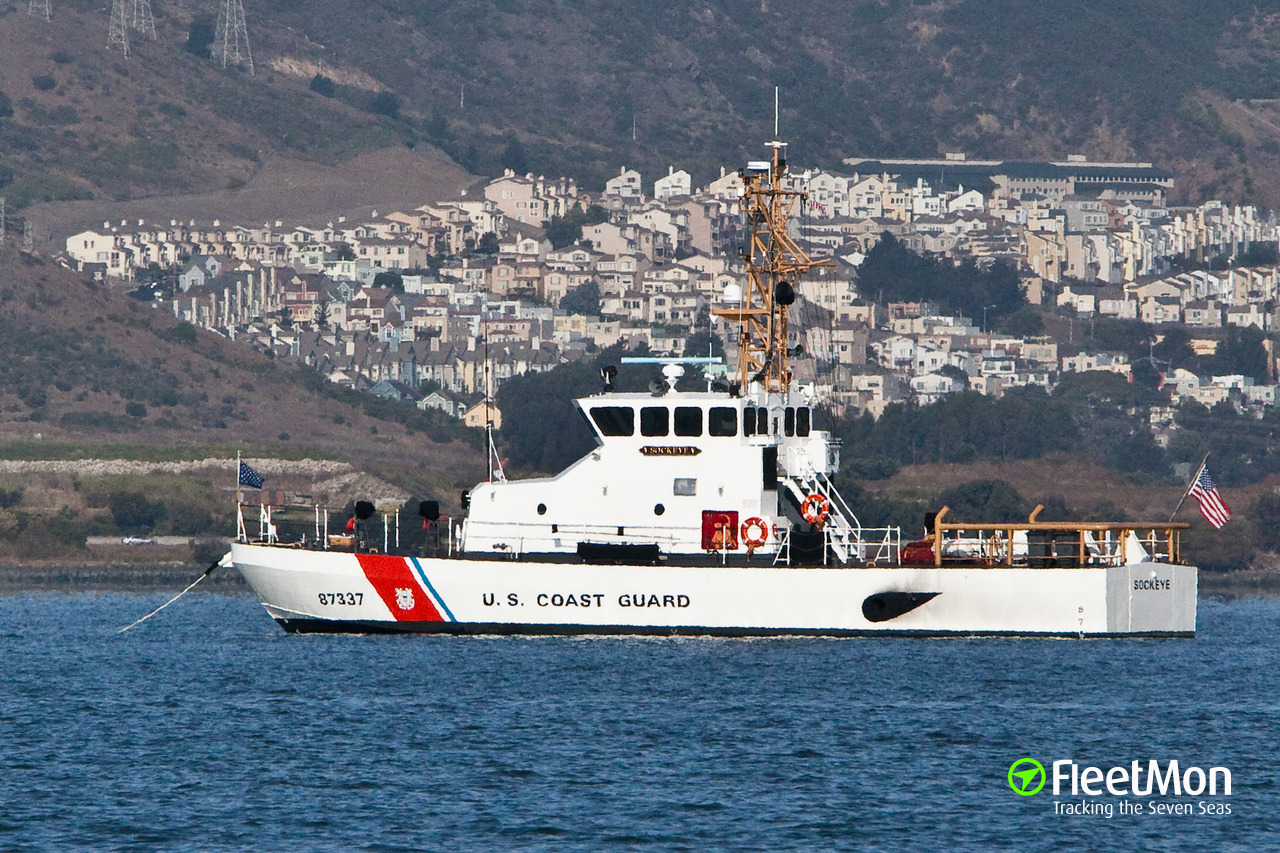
point(755, 532)
point(814, 508)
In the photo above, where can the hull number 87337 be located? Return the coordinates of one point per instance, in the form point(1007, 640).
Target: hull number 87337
point(341, 598)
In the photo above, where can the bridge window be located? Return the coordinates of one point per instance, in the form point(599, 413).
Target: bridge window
point(789, 421)
point(614, 420)
point(722, 421)
point(654, 420)
point(749, 420)
point(802, 421)
point(688, 421)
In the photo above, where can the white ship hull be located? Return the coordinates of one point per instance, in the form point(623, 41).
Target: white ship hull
point(318, 591)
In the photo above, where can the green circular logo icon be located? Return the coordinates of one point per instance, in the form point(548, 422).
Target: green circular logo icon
point(1026, 776)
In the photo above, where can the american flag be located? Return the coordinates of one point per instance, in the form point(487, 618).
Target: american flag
point(250, 477)
point(1211, 505)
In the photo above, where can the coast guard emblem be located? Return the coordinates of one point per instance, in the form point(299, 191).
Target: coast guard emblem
point(404, 599)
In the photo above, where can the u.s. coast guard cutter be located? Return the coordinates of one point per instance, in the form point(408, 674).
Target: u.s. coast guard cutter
point(712, 512)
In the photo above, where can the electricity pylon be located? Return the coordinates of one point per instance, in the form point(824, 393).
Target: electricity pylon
point(231, 42)
point(143, 21)
point(118, 30)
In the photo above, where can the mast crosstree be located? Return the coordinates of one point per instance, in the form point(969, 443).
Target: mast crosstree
point(774, 264)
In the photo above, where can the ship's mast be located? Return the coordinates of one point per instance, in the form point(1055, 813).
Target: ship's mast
point(774, 262)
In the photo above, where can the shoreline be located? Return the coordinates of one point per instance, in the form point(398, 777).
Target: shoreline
point(1244, 583)
point(115, 577)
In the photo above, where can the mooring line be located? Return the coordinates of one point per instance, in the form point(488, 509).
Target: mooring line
point(220, 561)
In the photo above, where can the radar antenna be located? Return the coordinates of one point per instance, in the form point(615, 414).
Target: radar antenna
point(774, 264)
point(118, 29)
point(231, 41)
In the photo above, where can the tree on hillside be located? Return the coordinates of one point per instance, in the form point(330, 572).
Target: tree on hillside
point(133, 512)
point(323, 85)
point(200, 36)
point(1259, 255)
point(563, 232)
point(1023, 424)
point(985, 500)
point(951, 371)
point(1174, 348)
point(704, 343)
point(1026, 322)
point(513, 156)
point(551, 432)
point(583, 299)
point(1245, 449)
point(1131, 337)
point(1143, 373)
point(893, 273)
point(1241, 352)
point(386, 104)
point(391, 279)
point(566, 230)
point(1138, 452)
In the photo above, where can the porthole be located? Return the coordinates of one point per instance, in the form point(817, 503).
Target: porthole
point(542, 509)
point(659, 509)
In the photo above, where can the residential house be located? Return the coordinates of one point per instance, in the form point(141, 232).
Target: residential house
point(674, 185)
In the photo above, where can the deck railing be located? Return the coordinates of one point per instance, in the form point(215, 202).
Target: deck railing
point(1054, 544)
point(321, 528)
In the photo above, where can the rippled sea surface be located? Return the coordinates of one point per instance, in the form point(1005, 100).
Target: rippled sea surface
point(208, 728)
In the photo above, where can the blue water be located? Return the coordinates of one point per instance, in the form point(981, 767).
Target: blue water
point(207, 728)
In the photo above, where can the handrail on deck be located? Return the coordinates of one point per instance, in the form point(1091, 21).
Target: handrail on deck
point(1082, 549)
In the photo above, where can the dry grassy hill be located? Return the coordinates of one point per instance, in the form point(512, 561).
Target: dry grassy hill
point(580, 88)
point(89, 373)
point(167, 134)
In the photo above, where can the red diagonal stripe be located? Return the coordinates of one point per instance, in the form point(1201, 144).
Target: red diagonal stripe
point(390, 575)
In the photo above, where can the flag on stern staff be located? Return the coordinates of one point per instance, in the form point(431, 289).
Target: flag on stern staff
point(1212, 507)
point(250, 477)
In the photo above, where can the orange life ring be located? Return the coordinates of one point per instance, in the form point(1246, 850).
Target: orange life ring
point(755, 532)
point(814, 508)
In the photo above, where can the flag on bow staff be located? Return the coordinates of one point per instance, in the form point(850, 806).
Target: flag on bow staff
point(1212, 507)
point(249, 477)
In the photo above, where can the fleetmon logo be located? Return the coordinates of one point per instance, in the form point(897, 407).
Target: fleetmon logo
point(1026, 776)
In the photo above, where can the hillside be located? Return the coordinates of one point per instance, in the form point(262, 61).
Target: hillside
point(581, 88)
point(87, 373)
